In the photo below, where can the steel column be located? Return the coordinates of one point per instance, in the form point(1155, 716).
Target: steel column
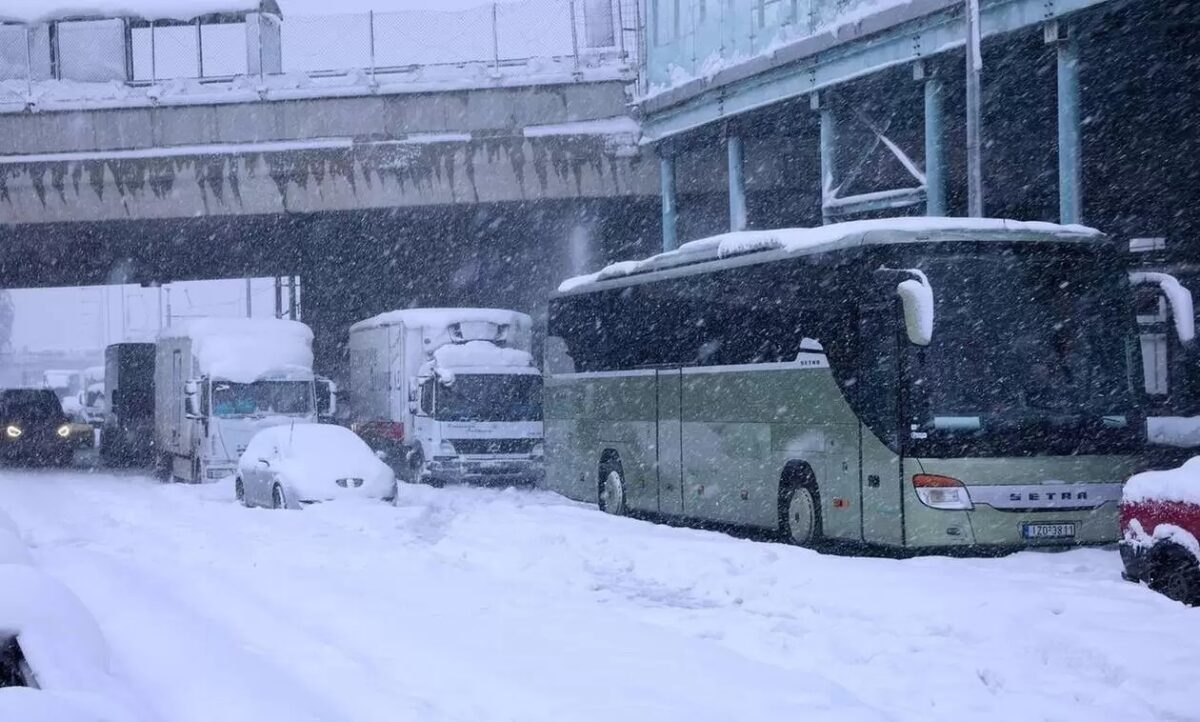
point(829, 135)
point(737, 184)
point(935, 156)
point(1070, 191)
point(666, 175)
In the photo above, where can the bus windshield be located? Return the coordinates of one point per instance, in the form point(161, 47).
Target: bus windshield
point(491, 397)
point(1030, 355)
point(261, 398)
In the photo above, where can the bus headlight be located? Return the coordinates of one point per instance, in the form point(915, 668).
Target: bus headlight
point(538, 451)
point(13, 432)
point(942, 492)
point(64, 431)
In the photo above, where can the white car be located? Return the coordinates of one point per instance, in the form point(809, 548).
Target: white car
point(286, 466)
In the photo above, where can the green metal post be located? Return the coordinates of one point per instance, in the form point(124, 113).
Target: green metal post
point(935, 157)
point(666, 175)
point(1070, 191)
point(828, 154)
point(737, 184)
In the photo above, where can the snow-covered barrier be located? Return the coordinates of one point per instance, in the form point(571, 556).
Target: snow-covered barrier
point(65, 657)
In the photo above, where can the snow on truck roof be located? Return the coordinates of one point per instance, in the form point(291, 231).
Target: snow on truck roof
point(40, 11)
point(481, 354)
point(444, 317)
point(837, 236)
point(247, 349)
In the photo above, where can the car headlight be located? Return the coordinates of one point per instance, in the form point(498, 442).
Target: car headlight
point(13, 432)
point(446, 449)
point(64, 431)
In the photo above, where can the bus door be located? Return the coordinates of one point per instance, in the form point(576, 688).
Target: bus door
point(669, 443)
point(880, 329)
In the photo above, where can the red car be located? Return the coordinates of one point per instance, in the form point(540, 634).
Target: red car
point(1160, 529)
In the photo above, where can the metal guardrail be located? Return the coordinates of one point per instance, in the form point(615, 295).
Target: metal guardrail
point(499, 34)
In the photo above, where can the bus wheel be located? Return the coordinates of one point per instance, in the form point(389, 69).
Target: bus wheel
point(800, 519)
point(612, 491)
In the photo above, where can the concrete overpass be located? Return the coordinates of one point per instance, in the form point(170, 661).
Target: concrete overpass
point(488, 145)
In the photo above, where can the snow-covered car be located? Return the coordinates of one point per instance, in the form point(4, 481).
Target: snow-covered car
point(286, 466)
point(1160, 525)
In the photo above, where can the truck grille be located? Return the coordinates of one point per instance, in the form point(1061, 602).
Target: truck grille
point(493, 446)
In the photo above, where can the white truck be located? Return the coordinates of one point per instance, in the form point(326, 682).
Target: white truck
point(449, 394)
point(218, 381)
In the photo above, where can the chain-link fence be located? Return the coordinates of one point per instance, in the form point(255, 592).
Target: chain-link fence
point(508, 34)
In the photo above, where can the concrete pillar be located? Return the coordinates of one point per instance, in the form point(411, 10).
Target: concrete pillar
point(666, 174)
point(935, 156)
point(737, 184)
point(1070, 190)
point(829, 135)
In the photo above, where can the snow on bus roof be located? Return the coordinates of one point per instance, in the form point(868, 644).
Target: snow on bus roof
point(40, 11)
point(833, 237)
point(244, 350)
point(444, 317)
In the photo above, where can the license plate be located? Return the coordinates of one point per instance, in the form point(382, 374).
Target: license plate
point(1051, 530)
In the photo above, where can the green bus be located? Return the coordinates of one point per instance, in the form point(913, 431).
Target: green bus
point(916, 383)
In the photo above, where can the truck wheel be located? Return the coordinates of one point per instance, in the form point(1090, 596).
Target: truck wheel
point(239, 491)
point(277, 500)
point(164, 468)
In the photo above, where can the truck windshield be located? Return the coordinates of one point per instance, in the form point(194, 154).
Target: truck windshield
point(261, 398)
point(1029, 356)
point(491, 397)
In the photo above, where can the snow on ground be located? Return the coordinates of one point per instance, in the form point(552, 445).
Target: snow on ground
point(482, 604)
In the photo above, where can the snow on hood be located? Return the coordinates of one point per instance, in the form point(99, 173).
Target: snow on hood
point(38, 11)
point(823, 238)
point(1179, 485)
point(443, 317)
point(477, 355)
point(244, 350)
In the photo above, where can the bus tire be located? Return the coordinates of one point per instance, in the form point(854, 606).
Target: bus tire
point(610, 492)
point(800, 514)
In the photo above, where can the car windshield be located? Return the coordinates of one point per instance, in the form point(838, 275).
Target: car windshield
point(30, 405)
point(261, 398)
point(1030, 351)
point(491, 397)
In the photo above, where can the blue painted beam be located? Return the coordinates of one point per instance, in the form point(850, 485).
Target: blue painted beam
point(737, 184)
point(826, 60)
point(1070, 190)
point(666, 175)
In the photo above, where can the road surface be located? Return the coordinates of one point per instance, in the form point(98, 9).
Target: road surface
point(483, 604)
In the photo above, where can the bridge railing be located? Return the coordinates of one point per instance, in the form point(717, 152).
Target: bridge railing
point(502, 38)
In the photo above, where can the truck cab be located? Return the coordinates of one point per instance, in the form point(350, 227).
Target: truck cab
point(478, 424)
point(449, 394)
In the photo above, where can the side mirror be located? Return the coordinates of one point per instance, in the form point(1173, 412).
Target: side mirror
point(191, 391)
point(327, 391)
point(412, 406)
point(916, 295)
point(1183, 311)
